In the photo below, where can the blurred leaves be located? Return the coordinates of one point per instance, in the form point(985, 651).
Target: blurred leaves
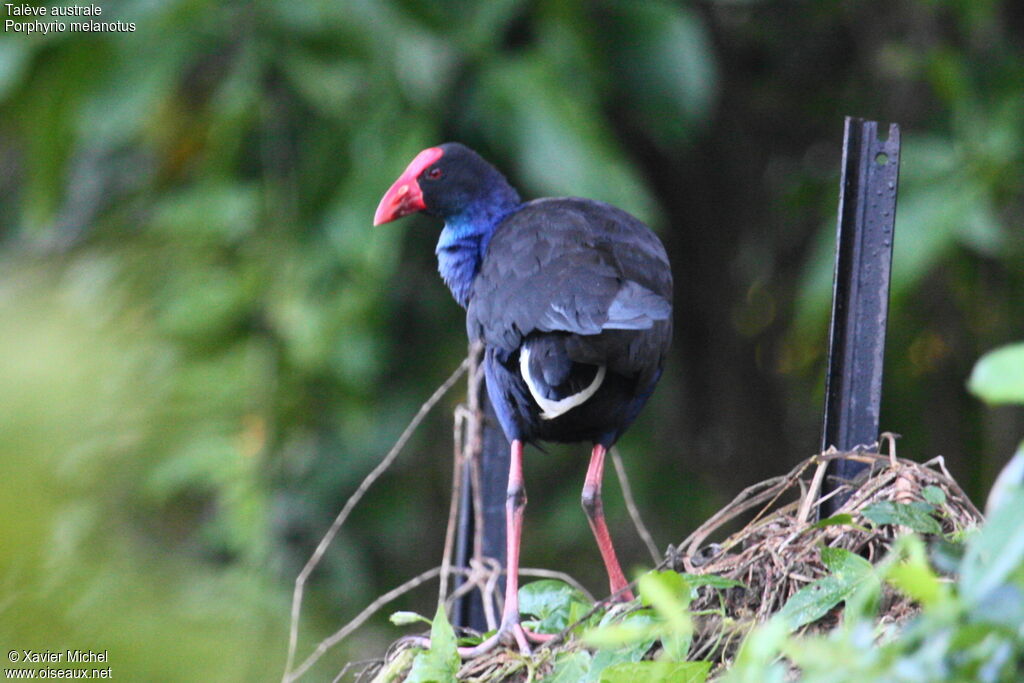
point(662, 59)
point(92, 421)
point(560, 144)
point(996, 556)
point(998, 376)
point(967, 629)
point(205, 345)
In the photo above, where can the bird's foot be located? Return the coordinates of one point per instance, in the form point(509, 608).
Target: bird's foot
point(509, 633)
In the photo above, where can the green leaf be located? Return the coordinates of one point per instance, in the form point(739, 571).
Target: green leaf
point(657, 672)
point(570, 668)
point(916, 515)
point(665, 64)
point(208, 215)
point(936, 205)
point(759, 651)
point(561, 145)
point(424, 64)
point(914, 576)
point(1010, 478)
point(638, 627)
point(842, 562)
point(440, 663)
point(332, 87)
point(997, 551)
point(667, 591)
point(552, 602)
point(814, 601)
point(669, 594)
point(998, 376)
point(15, 57)
point(406, 618)
point(843, 519)
point(934, 495)
point(862, 605)
point(930, 218)
point(643, 625)
point(713, 580)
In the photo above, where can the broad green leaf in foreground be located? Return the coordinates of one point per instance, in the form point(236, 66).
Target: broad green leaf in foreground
point(914, 575)
point(440, 663)
point(570, 667)
point(998, 376)
point(916, 515)
point(996, 552)
point(657, 672)
point(934, 495)
point(555, 604)
point(713, 580)
point(669, 594)
point(639, 636)
point(814, 601)
point(406, 618)
point(843, 519)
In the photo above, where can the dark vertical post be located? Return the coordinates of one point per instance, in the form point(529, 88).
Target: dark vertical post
point(465, 607)
point(492, 453)
point(860, 297)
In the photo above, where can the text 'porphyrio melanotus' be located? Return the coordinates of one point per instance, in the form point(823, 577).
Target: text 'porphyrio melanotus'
point(572, 299)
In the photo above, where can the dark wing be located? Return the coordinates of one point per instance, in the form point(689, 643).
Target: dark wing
point(580, 267)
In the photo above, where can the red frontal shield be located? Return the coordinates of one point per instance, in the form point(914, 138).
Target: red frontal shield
point(404, 196)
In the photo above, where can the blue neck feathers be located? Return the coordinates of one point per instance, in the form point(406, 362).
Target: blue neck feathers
point(465, 237)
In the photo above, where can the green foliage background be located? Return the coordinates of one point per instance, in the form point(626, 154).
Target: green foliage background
point(204, 346)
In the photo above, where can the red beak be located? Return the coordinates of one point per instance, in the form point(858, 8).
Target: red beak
point(405, 196)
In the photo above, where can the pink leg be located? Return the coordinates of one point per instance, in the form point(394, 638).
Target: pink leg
point(595, 513)
point(515, 506)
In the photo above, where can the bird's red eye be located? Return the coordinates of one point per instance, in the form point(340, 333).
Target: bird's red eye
point(434, 173)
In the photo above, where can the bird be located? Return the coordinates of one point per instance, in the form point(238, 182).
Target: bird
point(572, 301)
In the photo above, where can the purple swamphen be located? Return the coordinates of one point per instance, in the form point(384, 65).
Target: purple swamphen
point(572, 299)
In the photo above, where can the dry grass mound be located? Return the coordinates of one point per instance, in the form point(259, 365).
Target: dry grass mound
point(775, 554)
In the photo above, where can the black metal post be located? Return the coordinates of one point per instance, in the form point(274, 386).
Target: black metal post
point(466, 606)
point(864, 238)
point(493, 463)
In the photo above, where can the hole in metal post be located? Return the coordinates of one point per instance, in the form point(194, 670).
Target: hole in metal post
point(881, 158)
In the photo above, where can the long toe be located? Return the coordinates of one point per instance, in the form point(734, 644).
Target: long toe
point(509, 635)
point(483, 648)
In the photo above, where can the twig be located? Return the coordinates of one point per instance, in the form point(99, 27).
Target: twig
point(634, 511)
point(482, 578)
point(351, 665)
point(314, 560)
point(474, 447)
point(458, 462)
point(812, 492)
point(342, 633)
point(490, 593)
point(750, 497)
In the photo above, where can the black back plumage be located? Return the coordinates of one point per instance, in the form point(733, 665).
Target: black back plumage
point(585, 284)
